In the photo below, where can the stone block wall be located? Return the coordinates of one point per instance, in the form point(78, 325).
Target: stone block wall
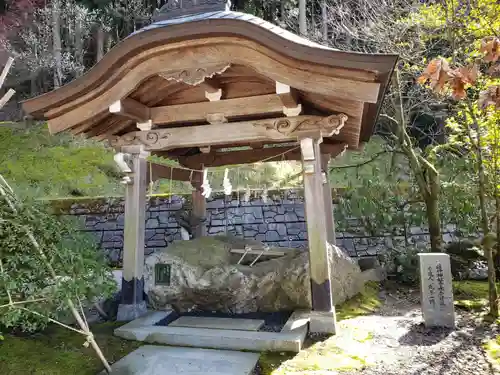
point(278, 221)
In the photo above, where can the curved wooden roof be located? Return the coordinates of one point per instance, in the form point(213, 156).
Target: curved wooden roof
point(161, 67)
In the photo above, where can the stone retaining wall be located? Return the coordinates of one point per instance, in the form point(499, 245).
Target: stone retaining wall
point(279, 221)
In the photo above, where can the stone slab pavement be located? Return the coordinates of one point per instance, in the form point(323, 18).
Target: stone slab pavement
point(218, 323)
point(162, 360)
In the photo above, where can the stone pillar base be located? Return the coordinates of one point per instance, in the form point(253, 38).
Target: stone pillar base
point(322, 322)
point(127, 313)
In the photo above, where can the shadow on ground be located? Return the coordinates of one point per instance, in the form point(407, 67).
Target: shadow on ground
point(459, 356)
point(419, 335)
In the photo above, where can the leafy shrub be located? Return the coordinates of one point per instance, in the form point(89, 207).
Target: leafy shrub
point(402, 263)
point(463, 256)
point(80, 268)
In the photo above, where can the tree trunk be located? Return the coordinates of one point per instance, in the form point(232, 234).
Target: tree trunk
point(57, 47)
point(312, 4)
point(99, 43)
point(324, 20)
point(302, 18)
point(426, 175)
point(79, 46)
point(282, 11)
point(433, 215)
point(497, 215)
point(488, 241)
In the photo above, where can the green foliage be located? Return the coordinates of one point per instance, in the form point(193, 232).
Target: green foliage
point(80, 268)
point(492, 347)
point(375, 161)
point(58, 351)
point(377, 193)
point(468, 23)
point(471, 295)
point(402, 263)
point(42, 165)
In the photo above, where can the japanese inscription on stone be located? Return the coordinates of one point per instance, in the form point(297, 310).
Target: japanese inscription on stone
point(436, 290)
point(163, 273)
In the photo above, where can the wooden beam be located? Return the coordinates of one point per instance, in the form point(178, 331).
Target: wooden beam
point(321, 289)
point(257, 145)
point(290, 99)
point(133, 244)
point(132, 109)
point(281, 129)
point(218, 159)
point(327, 199)
point(254, 105)
point(216, 118)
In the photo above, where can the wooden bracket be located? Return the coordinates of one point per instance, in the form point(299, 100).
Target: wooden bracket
point(307, 149)
point(144, 126)
point(290, 99)
point(132, 109)
point(213, 89)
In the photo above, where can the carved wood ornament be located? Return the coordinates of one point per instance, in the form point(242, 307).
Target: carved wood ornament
point(196, 76)
point(328, 126)
point(282, 129)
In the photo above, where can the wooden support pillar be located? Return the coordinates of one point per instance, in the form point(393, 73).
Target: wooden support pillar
point(199, 206)
point(322, 318)
point(133, 304)
point(327, 196)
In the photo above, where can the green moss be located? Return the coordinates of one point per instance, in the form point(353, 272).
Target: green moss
point(270, 361)
point(325, 356)
point(58, 351)
point(472, 305)
point(38, 164)
point(471, 295)
point(471, 289)
point(493, 349)
point(364, 303)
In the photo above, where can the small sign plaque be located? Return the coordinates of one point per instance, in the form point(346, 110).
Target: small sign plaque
point(162, 274)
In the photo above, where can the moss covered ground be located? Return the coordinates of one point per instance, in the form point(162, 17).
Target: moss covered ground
point(473, 296)
point(58, 351)
point(323, 356)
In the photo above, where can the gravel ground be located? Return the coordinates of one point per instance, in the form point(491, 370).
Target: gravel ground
point(401, 345)
point(394, 341)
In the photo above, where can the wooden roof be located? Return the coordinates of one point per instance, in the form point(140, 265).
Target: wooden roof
point(167, 72)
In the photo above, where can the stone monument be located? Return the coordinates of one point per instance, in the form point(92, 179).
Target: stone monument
point(436, 290)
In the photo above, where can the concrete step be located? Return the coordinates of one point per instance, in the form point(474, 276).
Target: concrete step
point(290, 339)
point(218, 323)
point(160, 360)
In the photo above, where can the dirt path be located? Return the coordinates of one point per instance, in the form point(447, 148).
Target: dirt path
point(393, 341)
point(397, 343)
